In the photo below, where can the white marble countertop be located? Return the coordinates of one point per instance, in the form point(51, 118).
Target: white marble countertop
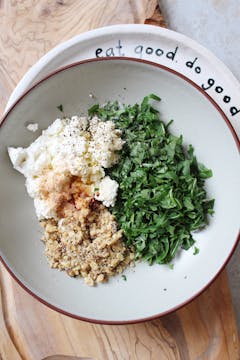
point(215, 25)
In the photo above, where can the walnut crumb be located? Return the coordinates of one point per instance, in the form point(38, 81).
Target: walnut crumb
point(86, 242)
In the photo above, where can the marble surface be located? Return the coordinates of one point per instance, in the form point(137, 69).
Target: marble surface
point(215, 25)
point(212, 23)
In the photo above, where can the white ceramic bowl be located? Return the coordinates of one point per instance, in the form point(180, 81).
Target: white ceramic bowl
point(149, 291)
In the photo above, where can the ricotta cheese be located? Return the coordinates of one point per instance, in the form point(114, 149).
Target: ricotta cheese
point(107, 191)
point(32, 127)
point(76, 146)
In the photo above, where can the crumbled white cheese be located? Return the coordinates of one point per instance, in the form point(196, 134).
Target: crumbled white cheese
point(32, 127)
point(106, 141)
point(107, 191)
point(18, 157)
point(33, 186)
point(44, 209)
point(71, 145)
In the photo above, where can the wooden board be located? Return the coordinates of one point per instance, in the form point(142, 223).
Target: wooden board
point(204, 329)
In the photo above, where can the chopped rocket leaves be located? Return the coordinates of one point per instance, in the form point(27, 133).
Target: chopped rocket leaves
point(60, 107)
point(196, 250)
point(161, 198)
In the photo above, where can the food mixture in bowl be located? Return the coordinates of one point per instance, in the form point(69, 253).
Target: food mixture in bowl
point(113, 187)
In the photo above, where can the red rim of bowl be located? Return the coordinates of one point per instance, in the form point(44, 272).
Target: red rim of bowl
point(217, 107)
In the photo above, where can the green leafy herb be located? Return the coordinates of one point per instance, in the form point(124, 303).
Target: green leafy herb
point(124, 277)
point(161, 198)
point(60, 107)
point(196, 250)
point(96, 189)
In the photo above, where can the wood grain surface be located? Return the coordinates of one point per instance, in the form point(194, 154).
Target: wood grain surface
point(203, 330)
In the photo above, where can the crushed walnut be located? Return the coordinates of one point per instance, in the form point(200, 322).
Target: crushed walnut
point(86, 240)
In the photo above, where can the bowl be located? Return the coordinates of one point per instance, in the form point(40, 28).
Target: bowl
point(150, 291)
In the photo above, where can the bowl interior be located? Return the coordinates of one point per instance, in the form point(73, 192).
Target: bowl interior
point(148, 290)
